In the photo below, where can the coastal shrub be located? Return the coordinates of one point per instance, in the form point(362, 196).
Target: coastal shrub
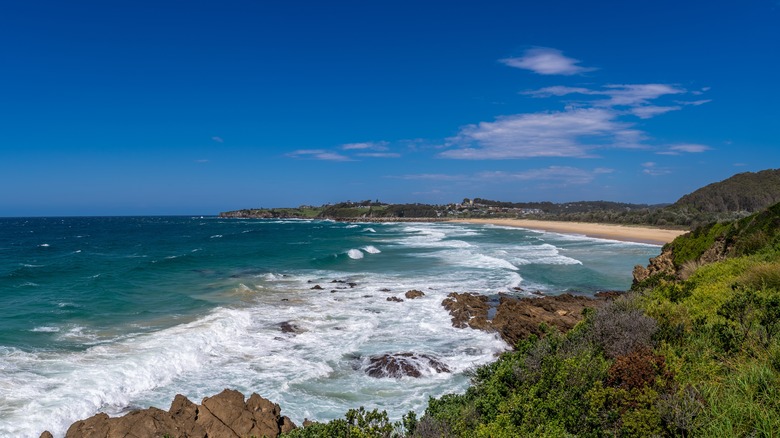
point(620, 327)
point(637, 369)
point(357, 423)
point(681, 410)
point(691, 246)
point(765, 275)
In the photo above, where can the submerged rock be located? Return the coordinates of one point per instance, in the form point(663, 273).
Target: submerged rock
point(403, 364)
point(396, 299)
point(290, 327)
point(223, 415)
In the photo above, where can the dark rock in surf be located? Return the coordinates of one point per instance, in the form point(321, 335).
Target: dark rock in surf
point(412, 294)
point(467, 309)
point(404, 364)
point(290, 327)
point(396, 299)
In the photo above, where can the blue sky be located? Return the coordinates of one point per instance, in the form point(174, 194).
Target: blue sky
point(195, 107)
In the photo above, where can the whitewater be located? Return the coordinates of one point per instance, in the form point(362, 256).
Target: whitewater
point(120, 313)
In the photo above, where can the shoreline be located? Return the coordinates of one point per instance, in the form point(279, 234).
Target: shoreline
point(653, 236)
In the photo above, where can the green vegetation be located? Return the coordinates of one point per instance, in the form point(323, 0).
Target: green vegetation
point(693, 357)
point(724, 201)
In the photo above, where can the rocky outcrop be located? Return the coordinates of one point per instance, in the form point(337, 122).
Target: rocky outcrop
point(517, 318)
point(414, 293)
point(467, 310)
point(404, 364)
point(226, 414)
point(661, 264)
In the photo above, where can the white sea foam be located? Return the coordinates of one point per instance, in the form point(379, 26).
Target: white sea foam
point(369, 230)
point(44, 245)
point(216, 236)
point(352, 226)
point(355, 254)
point(371, 249)
point(310, 373)
point(46, 329)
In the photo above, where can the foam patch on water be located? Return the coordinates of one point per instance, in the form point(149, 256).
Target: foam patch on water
point(355, 254)
point(371, 249)
point(309, 373)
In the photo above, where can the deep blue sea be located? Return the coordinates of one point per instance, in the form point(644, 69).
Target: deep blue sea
point(118, 313)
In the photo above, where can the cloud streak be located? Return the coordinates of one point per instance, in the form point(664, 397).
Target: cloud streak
point(559, 175)
point(546, 61)
point(318, 154)
point(572, 133)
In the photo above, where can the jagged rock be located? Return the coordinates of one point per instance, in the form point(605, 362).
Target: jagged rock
point(290, 327)
point(403, 364)
point(316, 287)
point(661, 264)
point(609, 294)
point(143, 423)
point(396, 299)
point(516, 319)
point(223, 415)
point(414, 293)
point(467, 309)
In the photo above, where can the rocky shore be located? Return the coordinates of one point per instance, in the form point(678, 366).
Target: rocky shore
point(228, 414)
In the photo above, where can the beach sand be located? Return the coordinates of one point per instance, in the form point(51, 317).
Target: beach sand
point(657, 236)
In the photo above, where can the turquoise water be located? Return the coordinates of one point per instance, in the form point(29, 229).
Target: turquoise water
point(113, 314)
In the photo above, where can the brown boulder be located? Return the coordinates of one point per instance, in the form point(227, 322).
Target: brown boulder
point(414, 293)
point(223, 415)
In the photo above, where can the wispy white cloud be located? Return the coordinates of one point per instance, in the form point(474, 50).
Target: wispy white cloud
point(369, 145)
point(689, 148)
point(218, 139)
point(561, 175)
point(618, 95)
point(650, 111)
point(379, 155)
point(546, 61)
point(651, 168)
point(431, 177)
point(693, 102)
point(637, 94)
point(570, 133)
point(318, 154)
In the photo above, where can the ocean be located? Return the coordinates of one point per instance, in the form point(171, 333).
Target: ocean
point(111, 314)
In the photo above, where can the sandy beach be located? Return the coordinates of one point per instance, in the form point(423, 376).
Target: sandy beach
point(657, 236)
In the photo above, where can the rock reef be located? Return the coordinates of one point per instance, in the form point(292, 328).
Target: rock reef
point(517, 318)
point(226, 415)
